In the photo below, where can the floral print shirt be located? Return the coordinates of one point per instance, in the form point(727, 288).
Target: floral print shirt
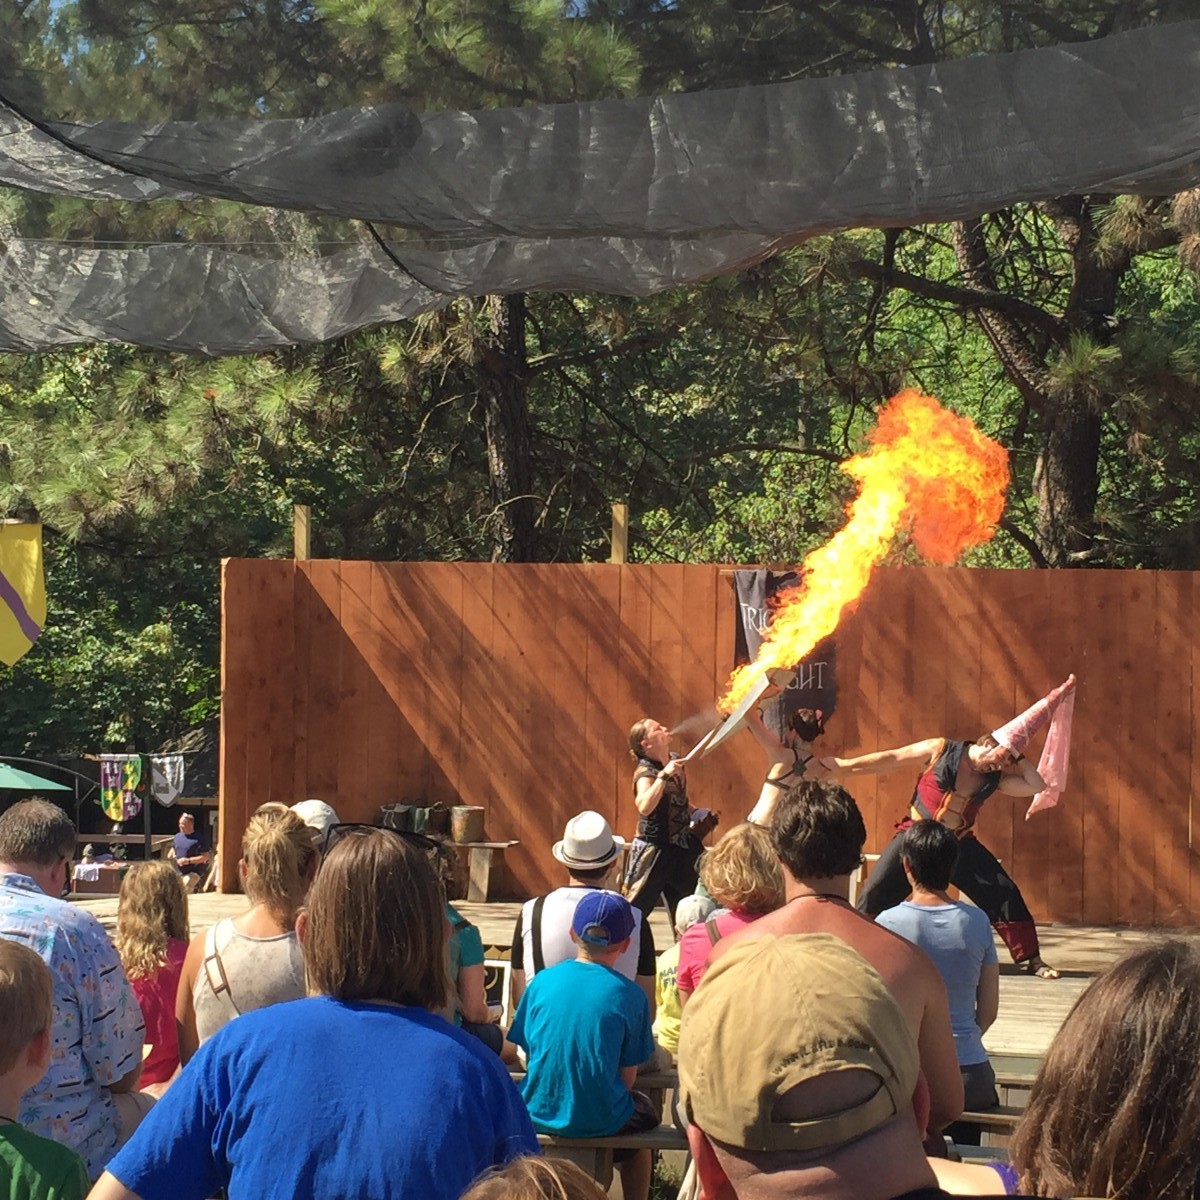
point(98, 1028)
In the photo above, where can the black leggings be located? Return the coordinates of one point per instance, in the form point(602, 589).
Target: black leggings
point(979, 876)
point(671, 875)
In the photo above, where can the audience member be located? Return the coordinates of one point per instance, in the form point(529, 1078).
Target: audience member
point(585, 1028)
point(467, 973)
point(800, 1076)
point(253, 960)
point(190, 852)
point(818, 835)
point(741, 873)
point(31, 1167)
point(1115, 1108)
point(542, 936)
point(958, 937)
point(536, 1179)
point(360, 1089)
point(668, 1009)
point(87, 1098)
point(318, 816)
point(152, 940)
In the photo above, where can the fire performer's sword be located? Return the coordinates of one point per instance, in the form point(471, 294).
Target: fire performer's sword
point(777, 677)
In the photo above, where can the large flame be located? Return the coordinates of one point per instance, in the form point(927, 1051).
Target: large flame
point(928, 471)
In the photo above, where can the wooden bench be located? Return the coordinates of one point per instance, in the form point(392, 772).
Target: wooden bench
point(979, 1154)
point(481, 857)
point(996, 1124)
point(648, 1081)
point(595, 1155)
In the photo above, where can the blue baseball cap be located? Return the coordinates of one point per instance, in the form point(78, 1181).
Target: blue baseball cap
point(603, 919)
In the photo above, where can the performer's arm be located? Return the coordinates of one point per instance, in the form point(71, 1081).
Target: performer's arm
point(648, 790)
point(883, 761)
point(1027, 783)
point(778, 755)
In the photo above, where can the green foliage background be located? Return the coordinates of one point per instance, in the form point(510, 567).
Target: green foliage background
point(719, 412)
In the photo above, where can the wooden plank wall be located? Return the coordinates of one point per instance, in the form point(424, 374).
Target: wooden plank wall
point(514, 687)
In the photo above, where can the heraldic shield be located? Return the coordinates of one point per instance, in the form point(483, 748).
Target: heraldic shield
point(22, 590)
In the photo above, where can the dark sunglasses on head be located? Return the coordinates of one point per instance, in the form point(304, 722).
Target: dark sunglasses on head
point(335, 833)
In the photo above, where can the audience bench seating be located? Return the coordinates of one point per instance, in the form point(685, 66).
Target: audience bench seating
point(595, 1155)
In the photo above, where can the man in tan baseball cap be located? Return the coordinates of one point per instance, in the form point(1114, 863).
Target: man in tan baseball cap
point(800, 1076)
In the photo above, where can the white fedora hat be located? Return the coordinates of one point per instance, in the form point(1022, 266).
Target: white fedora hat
point(588, 843)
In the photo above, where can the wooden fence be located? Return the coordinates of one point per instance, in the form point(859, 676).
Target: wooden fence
point(513, 687)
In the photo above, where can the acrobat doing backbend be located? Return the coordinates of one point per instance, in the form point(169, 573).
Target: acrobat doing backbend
point(956, 778)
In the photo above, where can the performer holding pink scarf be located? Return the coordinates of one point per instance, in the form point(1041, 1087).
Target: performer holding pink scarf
point(956, 779)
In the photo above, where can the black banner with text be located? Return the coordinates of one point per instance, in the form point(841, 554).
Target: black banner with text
point(815, 685)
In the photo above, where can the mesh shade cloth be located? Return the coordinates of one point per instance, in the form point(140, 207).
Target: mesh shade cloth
point(621, 196)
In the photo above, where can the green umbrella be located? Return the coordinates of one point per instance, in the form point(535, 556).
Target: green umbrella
point(22, 781)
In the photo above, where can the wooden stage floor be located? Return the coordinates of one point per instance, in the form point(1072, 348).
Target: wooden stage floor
point(1031, 1010)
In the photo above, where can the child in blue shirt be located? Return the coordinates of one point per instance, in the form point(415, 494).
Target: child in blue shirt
point(585, 1028)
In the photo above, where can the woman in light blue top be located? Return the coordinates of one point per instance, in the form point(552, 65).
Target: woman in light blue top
point(958, 937)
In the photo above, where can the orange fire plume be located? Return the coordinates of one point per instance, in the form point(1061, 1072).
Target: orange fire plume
point(928, 471)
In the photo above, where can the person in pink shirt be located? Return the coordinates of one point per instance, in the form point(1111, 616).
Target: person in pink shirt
point(152, 940)
point(741, 873)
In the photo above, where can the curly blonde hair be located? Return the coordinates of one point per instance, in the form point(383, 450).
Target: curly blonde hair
point(741, 872)
point(151, 909)
point(536, 1179)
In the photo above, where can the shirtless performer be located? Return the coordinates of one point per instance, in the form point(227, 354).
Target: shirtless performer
point(791, 760)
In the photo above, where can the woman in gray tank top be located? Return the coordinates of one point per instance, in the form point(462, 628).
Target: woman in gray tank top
point(247, 962)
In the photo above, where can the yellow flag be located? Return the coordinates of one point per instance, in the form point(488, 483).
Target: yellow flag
point(22, 590)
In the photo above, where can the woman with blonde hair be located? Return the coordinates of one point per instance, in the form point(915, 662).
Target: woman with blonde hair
point(152, 940)
point(248, 962)
point(361, 1088)
point(742, 875)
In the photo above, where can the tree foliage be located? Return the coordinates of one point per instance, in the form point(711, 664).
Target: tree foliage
point(505, 427)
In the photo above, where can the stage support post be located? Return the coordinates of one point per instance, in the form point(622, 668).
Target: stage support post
point(301, 524)
point(620, 534)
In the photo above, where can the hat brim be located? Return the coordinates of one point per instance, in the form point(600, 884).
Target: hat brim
point(588, 864)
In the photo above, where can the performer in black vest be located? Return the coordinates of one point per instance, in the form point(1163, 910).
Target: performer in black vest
point(669, 832)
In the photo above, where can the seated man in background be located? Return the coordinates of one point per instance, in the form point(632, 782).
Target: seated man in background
point(190, 852)
point(800, 1076)
point(87, 1099)
point(958, 937)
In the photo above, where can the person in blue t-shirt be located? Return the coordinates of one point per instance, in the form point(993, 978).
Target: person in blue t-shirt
point(958, 937)
point(190, 852)
point(360, 1089)
point(585, 1028)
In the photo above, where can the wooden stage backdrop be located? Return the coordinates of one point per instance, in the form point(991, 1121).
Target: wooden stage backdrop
point(514, 686)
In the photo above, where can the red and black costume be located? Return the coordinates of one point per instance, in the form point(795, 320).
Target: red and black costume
point(978, 875)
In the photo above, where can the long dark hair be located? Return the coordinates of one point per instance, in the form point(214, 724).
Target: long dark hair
point(1115, 1109)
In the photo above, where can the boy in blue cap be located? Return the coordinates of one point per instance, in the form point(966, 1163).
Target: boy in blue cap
point(585, 1028)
